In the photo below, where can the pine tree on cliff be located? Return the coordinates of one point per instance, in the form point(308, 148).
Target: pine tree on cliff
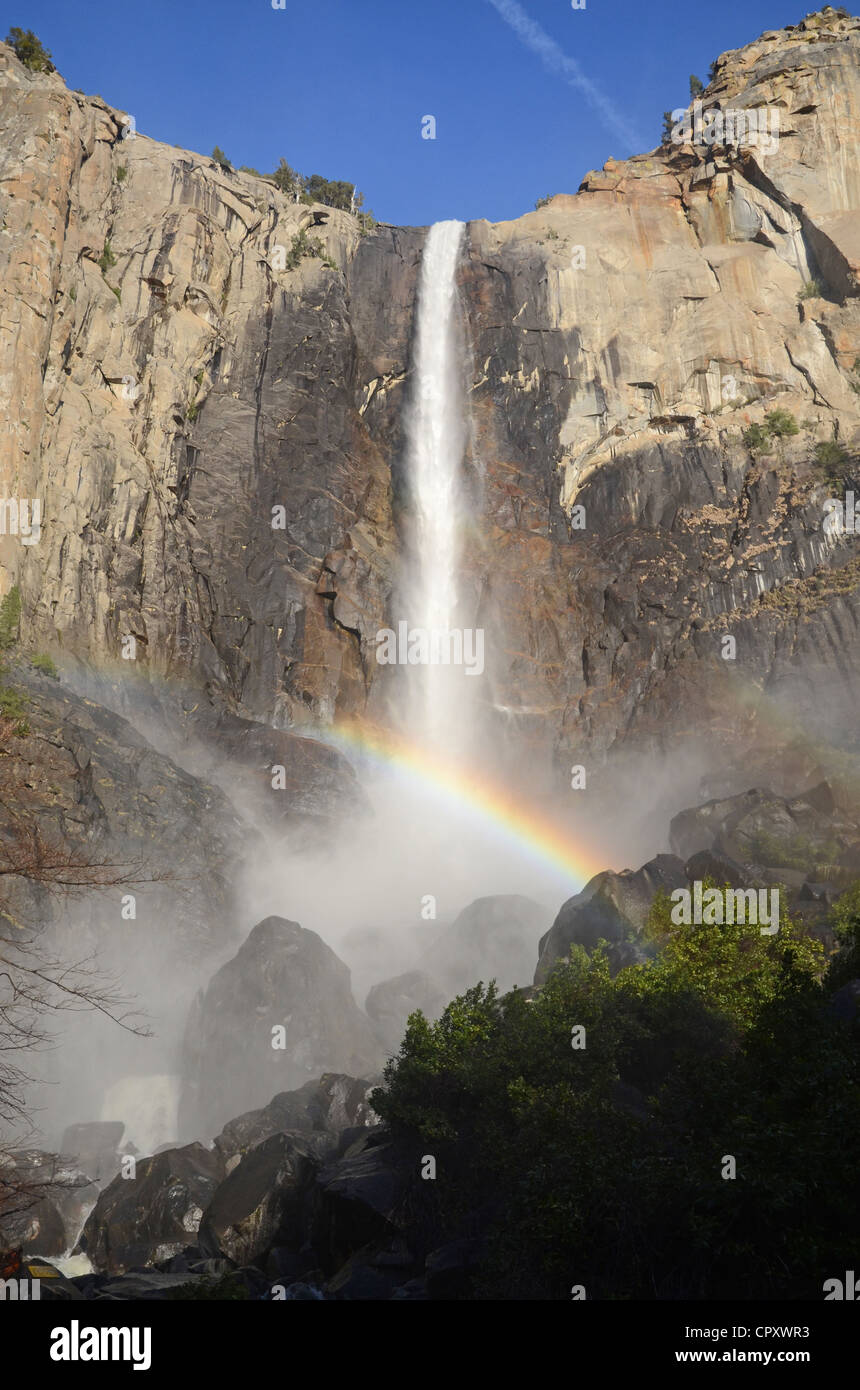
point(29, 50)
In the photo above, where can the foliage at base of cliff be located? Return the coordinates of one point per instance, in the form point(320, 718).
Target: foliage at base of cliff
point(602, 1165)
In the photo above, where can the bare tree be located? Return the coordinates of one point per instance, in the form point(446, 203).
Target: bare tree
point(36, 981)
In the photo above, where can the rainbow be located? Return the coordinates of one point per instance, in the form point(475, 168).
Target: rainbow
point(527, 828)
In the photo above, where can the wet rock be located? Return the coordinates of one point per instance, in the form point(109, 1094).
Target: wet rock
point(322, 1110)
point(262, 1203)
point(94, 1146)
point(150, 1218)
point(390, 1003)
point(493, 938)
point(54, 1197)
point(357, 1204)
point(284, 985)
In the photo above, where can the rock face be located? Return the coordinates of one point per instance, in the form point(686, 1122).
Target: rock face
point(95, 1146)
point(284, 986)
point(492, 939)
point(181, 386)
point(759, 827)
point(757, 838)
point(612, 907)
point(321, 1108)
point(154, 1216)
point(390, 1003)
point(261, 1204)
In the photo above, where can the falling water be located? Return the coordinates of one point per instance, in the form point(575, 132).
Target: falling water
point(436, 435)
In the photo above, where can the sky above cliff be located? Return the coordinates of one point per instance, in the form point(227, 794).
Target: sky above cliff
point(527, 95)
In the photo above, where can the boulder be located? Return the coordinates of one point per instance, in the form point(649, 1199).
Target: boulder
point(358, 1201)
point(613, 907)
point(150, 1218)
point(760, 829)
point(494, 938)
point(322, 1110)
point(390, 1003)
point(94, 1146)
point(55, 1197)
point(282, 978)
point(262, 1203)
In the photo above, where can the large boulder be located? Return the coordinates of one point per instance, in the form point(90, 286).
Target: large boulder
point(612, 907)
point(494, 938)
point(43, 1201)
point(94, 1146)
point(358, 1202)
point(282, 978)
point(390, 1003)
point(151, 1217)
point(761, 829)
point(320, 1109)
point(263, 1202)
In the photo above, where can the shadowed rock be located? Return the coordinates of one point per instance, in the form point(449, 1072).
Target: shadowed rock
point(282, 978)
point(152, 1217)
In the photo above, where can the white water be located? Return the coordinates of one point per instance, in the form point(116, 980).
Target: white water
point(436, 437)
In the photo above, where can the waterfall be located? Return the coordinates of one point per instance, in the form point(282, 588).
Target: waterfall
point(436, 437)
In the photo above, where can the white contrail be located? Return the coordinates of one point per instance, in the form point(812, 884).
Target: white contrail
point(554, 58)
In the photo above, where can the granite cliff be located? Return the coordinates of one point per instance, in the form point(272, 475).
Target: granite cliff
point(175, 376)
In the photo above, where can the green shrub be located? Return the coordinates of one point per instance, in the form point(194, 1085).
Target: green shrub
point(833, 459)
point(122, 173)
point(812, 289)
point(107, 259)
point(302, 245)
point(285, 178)
point(45, 665)
point(781, 423)
point(220, 158)
point(73, 293)
point(13, 706)
point(542, 202)
point(757, 439)
point(10, 618)
point(29, 50)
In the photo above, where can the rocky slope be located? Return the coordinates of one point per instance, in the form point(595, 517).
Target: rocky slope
point(180, 384)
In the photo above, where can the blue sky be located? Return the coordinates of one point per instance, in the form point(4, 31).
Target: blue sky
point(339, 87)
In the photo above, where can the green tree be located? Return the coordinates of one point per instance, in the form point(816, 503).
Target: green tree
point(285, 178)
point(29, 50)
point(10, 618)
point(220, 158)
point(334, 193)
point(602, 1163)
point(696, 87)
point(781, 423)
